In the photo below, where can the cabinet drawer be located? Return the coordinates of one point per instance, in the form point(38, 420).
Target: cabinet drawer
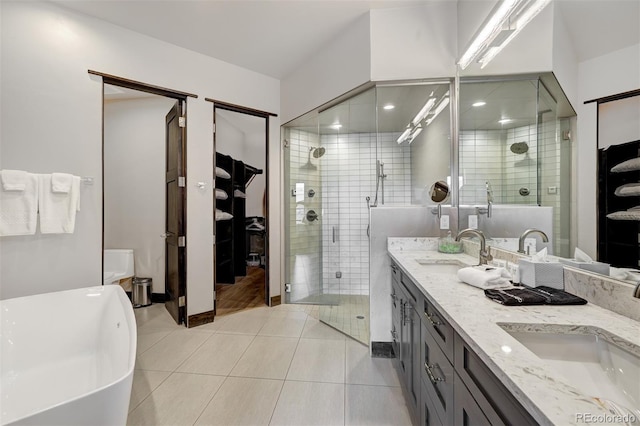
point(467, 412)
point(396, 273)
point(437, 376)
point(440, 329)
point(496, 402)
point(428, 413)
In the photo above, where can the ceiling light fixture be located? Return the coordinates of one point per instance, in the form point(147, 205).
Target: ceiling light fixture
point(423, 112)
point(336, 126)
point(479, 104)
point(506, 20)
point(415, 133)
point(505, 120)
point(441, 106)
point(404, 135)
point(389, 106)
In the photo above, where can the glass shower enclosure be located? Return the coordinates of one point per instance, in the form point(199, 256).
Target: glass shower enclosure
point(341, 161)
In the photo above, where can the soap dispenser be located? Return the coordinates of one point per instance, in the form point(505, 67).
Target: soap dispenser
point(449, 245)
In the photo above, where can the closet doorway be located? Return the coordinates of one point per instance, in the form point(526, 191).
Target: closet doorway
point(240, 208)
point(144, 159)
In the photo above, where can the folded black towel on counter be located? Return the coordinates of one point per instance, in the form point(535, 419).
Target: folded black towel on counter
point(520, 296)
point(558, 297)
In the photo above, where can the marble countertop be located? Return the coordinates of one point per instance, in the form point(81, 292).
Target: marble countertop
point(541, 389)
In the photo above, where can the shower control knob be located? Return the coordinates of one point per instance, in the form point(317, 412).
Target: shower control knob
point(312, 215)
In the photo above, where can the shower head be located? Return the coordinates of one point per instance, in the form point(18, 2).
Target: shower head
point(317, 152)
point(519, 147)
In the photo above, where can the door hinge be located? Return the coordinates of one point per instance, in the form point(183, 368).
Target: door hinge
point(182, 121)
point(182, 241)
point(182, 181)
point(287, 288)
point(181, 301)
point(214, 127)
point(214, 239)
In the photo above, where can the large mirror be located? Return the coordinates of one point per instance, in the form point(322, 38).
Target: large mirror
point(515, 160)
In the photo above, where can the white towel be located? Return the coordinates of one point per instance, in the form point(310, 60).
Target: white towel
point(13, 180)
point(221, 195)
point(61, 182)
point(58, 210)
point(239, 194)
point(485, 277)
point(19, 209)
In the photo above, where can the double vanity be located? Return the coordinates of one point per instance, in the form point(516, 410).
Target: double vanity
point(464, 359)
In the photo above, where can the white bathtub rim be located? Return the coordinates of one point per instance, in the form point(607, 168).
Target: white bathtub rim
point(133, 341)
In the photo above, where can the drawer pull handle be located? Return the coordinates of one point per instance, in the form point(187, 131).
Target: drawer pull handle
point(434, 322)
point(432, 377)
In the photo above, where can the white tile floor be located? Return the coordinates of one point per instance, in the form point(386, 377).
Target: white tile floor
point(276, 366)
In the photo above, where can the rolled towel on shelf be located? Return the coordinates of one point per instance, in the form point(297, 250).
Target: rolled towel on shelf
point(14, 180)
point(485, 277)
point(222, 215)
point(61, 182)
point(631, 214)
point(222, 173)
point(221, 195)
point(239, 194)
point(631, 165)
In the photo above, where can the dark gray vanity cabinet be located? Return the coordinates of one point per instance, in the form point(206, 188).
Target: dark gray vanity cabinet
point(406, 333)
point(437, 376)
point(494, 400)
point(443, 379)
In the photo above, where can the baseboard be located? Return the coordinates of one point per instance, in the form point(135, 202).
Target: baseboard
point(382, 350)
point(276, 300)
point(200, 319)
point(158, 297)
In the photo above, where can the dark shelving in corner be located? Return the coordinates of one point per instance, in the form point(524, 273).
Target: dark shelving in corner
point(618, 240)
point(231, 234)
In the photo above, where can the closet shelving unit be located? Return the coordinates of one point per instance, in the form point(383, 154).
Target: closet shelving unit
point(231, 234)
point(618, 240)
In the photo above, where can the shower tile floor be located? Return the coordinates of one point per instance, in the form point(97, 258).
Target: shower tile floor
point(350, 315)
point(274, 366)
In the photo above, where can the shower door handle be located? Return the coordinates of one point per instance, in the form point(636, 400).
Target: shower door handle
point(333, 230)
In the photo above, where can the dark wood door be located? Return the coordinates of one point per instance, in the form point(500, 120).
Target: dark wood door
point(175, 270)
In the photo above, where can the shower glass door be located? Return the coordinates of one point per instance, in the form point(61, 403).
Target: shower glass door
point(330, 169)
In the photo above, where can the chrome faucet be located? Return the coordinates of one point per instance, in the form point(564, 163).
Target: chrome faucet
point(545, 239)
point(485, 255)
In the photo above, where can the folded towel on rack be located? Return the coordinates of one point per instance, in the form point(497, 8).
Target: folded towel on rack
point(57, 209)
point(61, 182)
point(554, 296)
point(515, 296)
point(19, 209)
point(485, 277)
point(13, 180)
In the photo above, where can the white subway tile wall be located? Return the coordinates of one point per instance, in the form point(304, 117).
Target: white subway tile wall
point(348, 172)
point(485, 155)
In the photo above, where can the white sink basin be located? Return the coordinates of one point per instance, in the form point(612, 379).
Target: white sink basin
point(596, 362)
point(439, 267)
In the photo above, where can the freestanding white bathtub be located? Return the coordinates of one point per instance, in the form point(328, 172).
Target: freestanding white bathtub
point(67, 358)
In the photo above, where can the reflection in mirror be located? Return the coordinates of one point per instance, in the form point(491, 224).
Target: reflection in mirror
point(439, 192)
point(515, 168)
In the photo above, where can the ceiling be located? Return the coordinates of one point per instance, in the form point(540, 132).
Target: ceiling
point(274, 37)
